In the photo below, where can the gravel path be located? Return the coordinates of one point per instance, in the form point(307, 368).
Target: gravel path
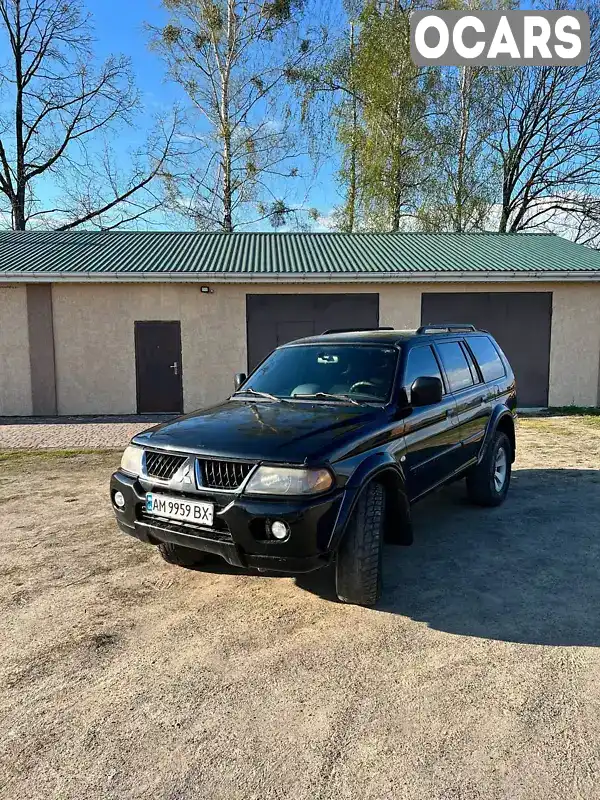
point(72, 433)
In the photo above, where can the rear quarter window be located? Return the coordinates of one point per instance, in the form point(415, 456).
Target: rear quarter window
point(487, 357)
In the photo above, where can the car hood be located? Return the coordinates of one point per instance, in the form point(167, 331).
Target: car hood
point(290, 432)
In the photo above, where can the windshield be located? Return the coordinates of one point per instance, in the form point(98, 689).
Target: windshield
point(359, 372)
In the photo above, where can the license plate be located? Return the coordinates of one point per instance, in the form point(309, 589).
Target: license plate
point(180, 509)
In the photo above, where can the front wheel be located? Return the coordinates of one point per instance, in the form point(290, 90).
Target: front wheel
point(488, 482)
point(358, 566)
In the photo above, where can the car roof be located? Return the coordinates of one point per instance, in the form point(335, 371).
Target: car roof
point(387, 336)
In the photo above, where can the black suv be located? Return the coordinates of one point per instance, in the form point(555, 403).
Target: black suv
point(318, 455)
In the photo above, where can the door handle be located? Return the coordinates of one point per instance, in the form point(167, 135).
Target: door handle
point(175, 367)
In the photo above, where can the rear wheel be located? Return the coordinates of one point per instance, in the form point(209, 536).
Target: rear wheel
point(181, 556)
point(358, 566)
point(488, 482)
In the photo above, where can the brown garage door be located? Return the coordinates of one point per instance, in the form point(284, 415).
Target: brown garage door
point(274, 319)
point(520, 322)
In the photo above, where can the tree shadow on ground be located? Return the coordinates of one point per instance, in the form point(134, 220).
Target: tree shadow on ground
point(527, 571)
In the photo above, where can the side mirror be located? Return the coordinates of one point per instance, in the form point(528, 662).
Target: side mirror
point(239, 379)
point(426, 392)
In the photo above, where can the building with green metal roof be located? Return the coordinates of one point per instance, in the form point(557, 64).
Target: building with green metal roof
point(122, 322)
point(74, 255)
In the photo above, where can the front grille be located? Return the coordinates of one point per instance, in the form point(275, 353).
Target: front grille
point(162, 465)
point(223, 474)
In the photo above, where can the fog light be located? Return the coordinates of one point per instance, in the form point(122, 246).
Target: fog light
point(119, 500)
point(279, 530)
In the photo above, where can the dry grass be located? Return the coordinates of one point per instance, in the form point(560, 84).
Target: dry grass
point(478, 676)
point(27, 455)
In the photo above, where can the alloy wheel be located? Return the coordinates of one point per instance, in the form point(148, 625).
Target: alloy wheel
point(500, 469)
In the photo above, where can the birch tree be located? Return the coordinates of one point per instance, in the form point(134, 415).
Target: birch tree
point(349, 135)
point(332, 112)
point(396, 102)
point(463, 186)
point(232, 59)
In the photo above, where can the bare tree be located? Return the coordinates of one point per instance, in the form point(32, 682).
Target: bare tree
point(232, 58)
point(575, 217)
point(56, 165)
point(549, 144)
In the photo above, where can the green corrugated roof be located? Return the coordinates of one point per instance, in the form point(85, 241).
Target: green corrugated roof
point(135, 253)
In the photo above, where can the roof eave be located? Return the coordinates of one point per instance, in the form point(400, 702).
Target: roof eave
point(450, 276)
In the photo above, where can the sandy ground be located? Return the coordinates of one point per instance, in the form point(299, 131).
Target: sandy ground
point(477, 677)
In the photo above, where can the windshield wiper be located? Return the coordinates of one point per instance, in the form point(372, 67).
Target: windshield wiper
point(326, 396)
point(253, 392)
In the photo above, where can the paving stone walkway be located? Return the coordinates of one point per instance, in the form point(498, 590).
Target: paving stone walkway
point(67, 433)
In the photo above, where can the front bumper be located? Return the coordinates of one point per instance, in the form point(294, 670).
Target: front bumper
point(239, 533)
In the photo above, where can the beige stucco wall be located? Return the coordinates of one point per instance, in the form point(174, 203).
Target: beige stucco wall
point(95, 357)
point(575, 351)
point(94, 342)
point(15, 373)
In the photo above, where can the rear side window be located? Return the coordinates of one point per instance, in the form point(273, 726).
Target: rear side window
point(487, 357)
point(455, 364)
point(421, 363)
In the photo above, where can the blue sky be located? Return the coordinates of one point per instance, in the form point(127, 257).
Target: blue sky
point(119, 28)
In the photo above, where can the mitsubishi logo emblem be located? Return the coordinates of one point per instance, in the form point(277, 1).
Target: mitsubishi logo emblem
point(187, 474)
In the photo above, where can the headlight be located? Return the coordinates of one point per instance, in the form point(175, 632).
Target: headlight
point(132, 460)
point(289, 480)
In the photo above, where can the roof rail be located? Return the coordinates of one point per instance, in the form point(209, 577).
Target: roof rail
point(450, 327)
point(356, 330)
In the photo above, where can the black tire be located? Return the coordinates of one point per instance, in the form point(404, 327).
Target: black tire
point(180, 556)
point(358, 566)
point(482, 486)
